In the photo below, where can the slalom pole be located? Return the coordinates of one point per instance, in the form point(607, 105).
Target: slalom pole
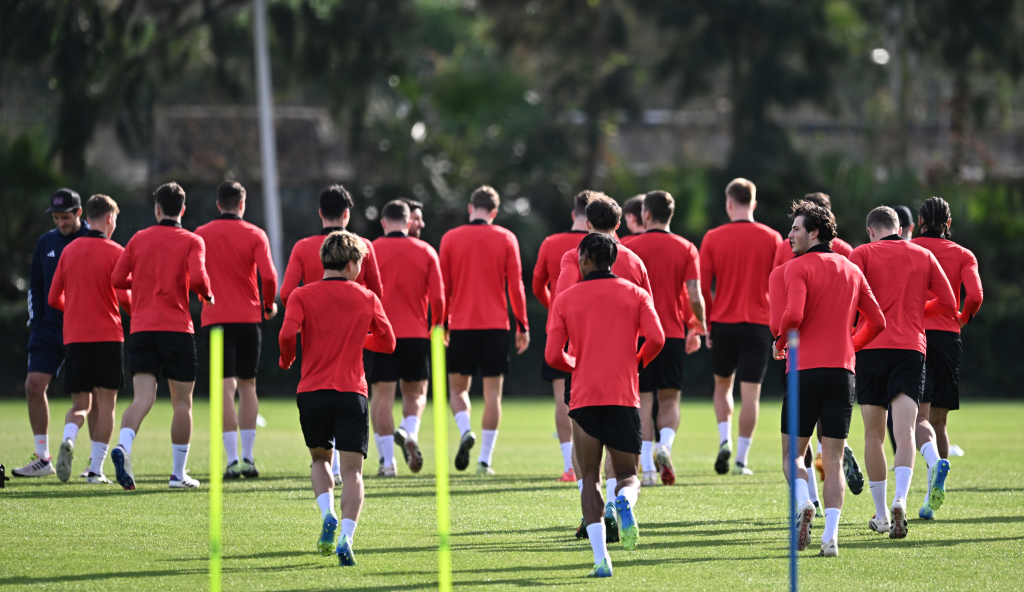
point(793, 394)
point(440, 386)
point(216, 460)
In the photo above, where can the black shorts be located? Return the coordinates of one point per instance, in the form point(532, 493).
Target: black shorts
point(483, 349)
point(410, 362)
point(666, 370)
point(45, 350)
point(743, 348)
point(332, 419)
point(550, 374)
point(94, 365)
point(942, 369)
point(884, 373)
point(826, 394)
point(242, 343)
point(615, 426)
point(174, 353)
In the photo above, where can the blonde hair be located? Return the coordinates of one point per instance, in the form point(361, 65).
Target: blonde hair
point(340, 247)
point(99, 206)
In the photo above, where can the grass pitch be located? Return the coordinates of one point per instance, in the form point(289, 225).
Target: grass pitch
point(513, 530)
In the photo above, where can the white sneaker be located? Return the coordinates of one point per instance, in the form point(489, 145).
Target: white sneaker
point(185, 482)
point(955, 450)
point(37, 467)
point(829, 549)
point(64, 457)
point(650, 479)
point(898, 524)
point(337, 480)
point(804, 519)
point(94, 479)
point(738, 469)
point(879, 525)
point(388, 471)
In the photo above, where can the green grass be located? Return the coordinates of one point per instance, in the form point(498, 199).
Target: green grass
point(513, 530)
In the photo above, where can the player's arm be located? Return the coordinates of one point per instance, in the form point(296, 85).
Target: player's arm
point(944, 303)
point(198, 279)
point(568, 273)
point(56, 296)
point(650, 327)
point(290, 328)
point(435, 292)
point(372, 272)
point(36, 286)
point(793, 315)
point(972, 285)
point(517, 293)
point(268, 274)
point(446, 278)
point(541, 278)
point(124, 298)
point(381, 337)
point(707, 275)
point(554, 349)
point(292, 275)
point(121, 277)
point(874, 319)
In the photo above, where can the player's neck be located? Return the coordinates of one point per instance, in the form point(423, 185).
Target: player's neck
point(339, 223)
point(484, 217)
point(610, 233)
point(161, 218)
point(658, 226)
point(579, 224)
point(740, 214)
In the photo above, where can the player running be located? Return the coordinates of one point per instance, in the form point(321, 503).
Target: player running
point(46, 342)
point(891, 370)
point(736, 258)
point(824, 292)
point(674, 268)
point(412, 273)
point(477, 261)
point(236, 251)
point(161, 264)
point(601, 316)
point(784, 252)
point(337, 318)
point(93, 337)
point(945, 350)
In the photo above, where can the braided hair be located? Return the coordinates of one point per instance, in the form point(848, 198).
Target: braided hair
point(601, 249)
point(935, 216)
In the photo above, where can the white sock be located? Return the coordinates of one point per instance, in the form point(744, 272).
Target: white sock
point(632, 494)
point(646, 458)
point(412, 426)
point(610, 489)
point(743, 449)
point(462, 421)
point(596, 533)
point(878, 494)
point(42, 442)
point(724, 430)
point(566, 455)
point(248, 442)
point(831, 531)
point(231, 446)
point(903, 475)
point(819, 447)
point(70, 431)
point(380, 447)
point(387, 445)
point(812, 485)
point(487, 448)
point(579, 483)
point(668, 436)
point(326, 503)
point(348, 528)
point(336, 463)
point(928, 488)
point(125, 439)
point(802, 497)
point(99, 454)
point(928, 451)
point(180, 453)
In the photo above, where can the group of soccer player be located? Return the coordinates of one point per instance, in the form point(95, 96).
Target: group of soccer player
point(881, 321)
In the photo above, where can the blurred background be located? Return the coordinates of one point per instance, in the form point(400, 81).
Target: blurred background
point(871, 101)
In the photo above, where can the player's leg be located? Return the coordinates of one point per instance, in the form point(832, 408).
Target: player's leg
point(627, 490)
point(834, 490)
point(588, 451)
point(668, 423)
point(751, 366)
point(90, 420)
point(647, 427)
point(491, 420)
point(323, 490)
point(40, 465)
point(750, 393)
point(104, 403)
point(563, 426)
point(810, 400)
point(414, 402)
point(81, 405)
point(812, 480)
point(904, 412)
point(230, 428)
point(463, 359)
point(248, 412)
point(382, 408)
point(351, 430)
point(924, 437)
point(874, 417)
point(724, 405)
point(939, 417)
point(181, 432)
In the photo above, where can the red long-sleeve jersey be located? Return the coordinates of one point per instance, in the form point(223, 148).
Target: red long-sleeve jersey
point(776, 299)
point(901, 275)
point(737, 259)
point(410, 269)
point(627, 266)
point(784, 252)
point(549, 263)
point(304, 266)
point(477, 261)
point(602, 317)
point(824, 293)
point(235, 250)
point(81, 289)
point(337, 319)
point(160, 265)
point(671, 261)
point(629, 238)
point(961, 268)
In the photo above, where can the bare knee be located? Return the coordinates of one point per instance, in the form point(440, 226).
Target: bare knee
point(35, 385)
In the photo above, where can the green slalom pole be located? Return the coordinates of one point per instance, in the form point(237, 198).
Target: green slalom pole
point(216, 460)
point(440, 384)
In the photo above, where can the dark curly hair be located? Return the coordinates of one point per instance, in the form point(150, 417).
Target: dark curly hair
point(815, 218)
point(599, 248)
point(935, 216)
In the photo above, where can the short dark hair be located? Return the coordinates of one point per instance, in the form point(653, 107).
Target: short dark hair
point(741, 191)
point(170, 197)
point(599, 248)
point(340, 247)
point(820, 199)
point(334, 200)
point(815, 218)
point(883, 217)
point(935, 216)
point(905, 217)
point(396, 211)
point(634, 206)
point(582, 200)
point(230, 194)
point(412, 203)
point(99, 206)
point(603, 213)
point(661, 206)
point(485, 198)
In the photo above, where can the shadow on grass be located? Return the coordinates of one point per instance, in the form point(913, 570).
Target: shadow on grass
point(910, 543)
point(28, 581)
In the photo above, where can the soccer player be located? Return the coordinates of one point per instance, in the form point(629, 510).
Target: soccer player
point(906, 221)
point(161, 264)
point(478, 260)
point(602, 316)
point(545, 281)
point(945, 350)
point(891, 370)
point(338, 319)
point(46, 342)
point(632, 213)
point(674, 268)
point(736, 258)
point(412, 273)
point(784, 252)
point(93, 337)
point(824, 292)
point(416, 223)
point(236, 251)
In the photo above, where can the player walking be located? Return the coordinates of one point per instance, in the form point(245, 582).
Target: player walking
point(161, 264)
point(632, 214)
point(236, 250)
point(337, 318)
point(784, 252)
point(416, 223)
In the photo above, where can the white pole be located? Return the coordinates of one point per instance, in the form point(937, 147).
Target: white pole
point(268, 147)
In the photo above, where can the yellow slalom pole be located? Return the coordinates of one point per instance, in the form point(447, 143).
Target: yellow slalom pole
point(216, 455)
point(440, 384)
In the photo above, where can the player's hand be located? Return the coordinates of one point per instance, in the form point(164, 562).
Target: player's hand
point(447, 337)
point(778, 355)
point(207, 302)
point(692, 342)
point(272, 313)
point(707, 340)
point(522, 342)
point(282, 364)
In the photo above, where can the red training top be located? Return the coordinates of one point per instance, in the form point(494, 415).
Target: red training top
point(737, 258)
point(477, 261)
point(81, 289)
point(304, 266)
point(337, 319)
point(671, 261)
point(784, 252)
point(602, 317)
point(235, 251)
point(412, 273)
point(901, 275)
point(824, 292)
point(961, 268)
point(549, 259)
point(629, 238)
point(627, 266)
point(777, 298)
point(160, 265)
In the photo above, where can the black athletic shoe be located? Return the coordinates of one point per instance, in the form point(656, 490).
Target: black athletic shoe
point(722, 462)
point(611, 524)
point(400, 436)
point(249, 470)
point(581, 532)
point(232, 471)
point(854, 478)
point(465, 445)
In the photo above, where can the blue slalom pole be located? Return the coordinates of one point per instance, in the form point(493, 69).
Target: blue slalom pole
point(793, 405)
